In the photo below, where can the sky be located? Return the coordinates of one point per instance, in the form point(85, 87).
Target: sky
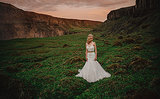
point(96, 10)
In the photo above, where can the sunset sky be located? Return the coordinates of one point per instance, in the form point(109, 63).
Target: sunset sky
point(74, 9)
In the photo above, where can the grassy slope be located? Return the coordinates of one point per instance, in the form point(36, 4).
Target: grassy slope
point(50, 64)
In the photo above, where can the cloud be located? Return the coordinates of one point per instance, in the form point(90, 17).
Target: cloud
point(47, 5)
point(94, 8)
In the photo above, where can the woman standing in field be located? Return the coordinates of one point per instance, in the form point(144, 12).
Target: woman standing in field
point(92, 70)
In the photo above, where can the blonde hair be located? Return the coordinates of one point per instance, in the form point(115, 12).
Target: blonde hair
point(88, 39)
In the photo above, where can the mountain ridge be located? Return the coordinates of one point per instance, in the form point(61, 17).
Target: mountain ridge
point(17, 23)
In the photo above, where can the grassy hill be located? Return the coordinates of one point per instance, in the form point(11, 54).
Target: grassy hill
point(46, 67)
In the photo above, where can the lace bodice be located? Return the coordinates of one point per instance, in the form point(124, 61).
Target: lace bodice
point(90, 47)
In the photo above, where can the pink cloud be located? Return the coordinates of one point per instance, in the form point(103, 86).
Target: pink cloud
point(81, 9)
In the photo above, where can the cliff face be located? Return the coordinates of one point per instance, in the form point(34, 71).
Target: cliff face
point(144, 16)
point(16, 23)
point(148, 4)
point(141, 8)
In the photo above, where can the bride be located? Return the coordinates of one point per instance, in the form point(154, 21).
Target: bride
point(92, 70)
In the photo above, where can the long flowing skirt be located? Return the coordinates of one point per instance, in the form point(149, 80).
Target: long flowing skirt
point(92, 71)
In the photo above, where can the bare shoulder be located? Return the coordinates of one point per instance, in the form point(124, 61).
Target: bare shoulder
point(94, 43)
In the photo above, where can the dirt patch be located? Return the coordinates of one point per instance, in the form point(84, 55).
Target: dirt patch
point(135, 39)
point(70, 72)
point(115, 66)
point(117, 43)
point(120, 37)
point(66, 45)
point(32, 59)
point(121, 71)
point(73, 85)
point(35, 65)
point(116, 59)
point(139, 63)
point(74, 59)
point(106, 42)
point(47, 78)
point(118, 55)
point(129, 41)
point(137, 47)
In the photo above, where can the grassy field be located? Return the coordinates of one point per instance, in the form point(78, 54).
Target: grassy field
point(50, 64)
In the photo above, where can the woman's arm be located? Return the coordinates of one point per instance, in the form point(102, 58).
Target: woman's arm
point(86, 51)
point(95, 50)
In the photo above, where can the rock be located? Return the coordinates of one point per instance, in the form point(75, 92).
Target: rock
point(142, 7)
point(115, 14)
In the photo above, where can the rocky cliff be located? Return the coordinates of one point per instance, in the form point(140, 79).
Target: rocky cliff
point(148, 4)
point(141, 8)
point(17, 23)
point(143, 17)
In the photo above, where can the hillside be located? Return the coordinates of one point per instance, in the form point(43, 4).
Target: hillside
point(17, 23)
point(46, 67)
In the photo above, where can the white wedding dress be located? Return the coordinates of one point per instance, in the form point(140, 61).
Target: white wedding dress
point(92, 70)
